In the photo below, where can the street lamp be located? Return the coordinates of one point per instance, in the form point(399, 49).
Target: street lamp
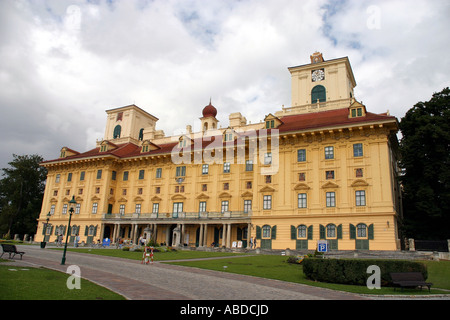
point(72, 205)
point(43, 242)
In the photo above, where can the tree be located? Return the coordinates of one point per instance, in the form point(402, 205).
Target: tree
point(425, 151)
point(21, 192)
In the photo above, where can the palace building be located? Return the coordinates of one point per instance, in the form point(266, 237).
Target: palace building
point(324, 168)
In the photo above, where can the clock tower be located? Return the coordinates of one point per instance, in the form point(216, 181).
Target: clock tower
point(321, 85)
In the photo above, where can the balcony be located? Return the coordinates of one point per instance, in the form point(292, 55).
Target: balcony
point(178, 216)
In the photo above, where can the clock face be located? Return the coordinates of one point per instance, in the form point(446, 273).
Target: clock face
point(317, 75)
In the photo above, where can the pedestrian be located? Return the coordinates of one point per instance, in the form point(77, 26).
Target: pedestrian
point(77, 240)
point(251, 243)
point(254, 242)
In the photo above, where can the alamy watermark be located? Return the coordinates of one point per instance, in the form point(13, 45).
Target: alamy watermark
point(374, 281)
point(74, 281)
point(251, 145)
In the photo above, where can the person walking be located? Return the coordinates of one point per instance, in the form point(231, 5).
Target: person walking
point(77, 240)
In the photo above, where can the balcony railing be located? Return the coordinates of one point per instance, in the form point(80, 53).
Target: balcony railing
point(179, 216)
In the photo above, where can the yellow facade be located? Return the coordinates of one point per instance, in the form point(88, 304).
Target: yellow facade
point(324, 168)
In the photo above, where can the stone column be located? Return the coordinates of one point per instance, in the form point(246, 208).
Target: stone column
point(249, 234)
point(205, 237)
point(200, 239)
point(412, 247)
point(224, 227)
point(229, 236)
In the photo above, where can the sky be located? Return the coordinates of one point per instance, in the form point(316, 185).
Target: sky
point(64, 62)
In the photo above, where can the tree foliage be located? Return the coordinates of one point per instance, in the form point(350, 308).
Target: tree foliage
point(21, 192)
point(425, 150)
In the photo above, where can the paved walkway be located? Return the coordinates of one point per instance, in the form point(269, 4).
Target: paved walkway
point(161, 281)
point(168, 282)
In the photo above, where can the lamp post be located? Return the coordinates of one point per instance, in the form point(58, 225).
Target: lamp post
point(72, 204)
point(43, 243)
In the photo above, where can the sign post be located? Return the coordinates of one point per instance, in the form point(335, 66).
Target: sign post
point(322, 246)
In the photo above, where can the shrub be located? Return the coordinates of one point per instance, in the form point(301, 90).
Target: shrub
point(354, 271)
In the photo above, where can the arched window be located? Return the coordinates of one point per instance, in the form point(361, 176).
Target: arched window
point(141, 134)
point(266, 231)
point(117, 131)
point(301, 232)
point(331, 231)
point(361, 230)
point(318, 93)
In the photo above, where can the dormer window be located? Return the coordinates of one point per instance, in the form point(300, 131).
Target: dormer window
point(357, 112)
point(272, 122)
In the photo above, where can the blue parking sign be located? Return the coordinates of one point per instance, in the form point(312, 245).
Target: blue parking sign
point(322, 246)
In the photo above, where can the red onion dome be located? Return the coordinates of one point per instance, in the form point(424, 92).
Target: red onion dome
point(209, 111)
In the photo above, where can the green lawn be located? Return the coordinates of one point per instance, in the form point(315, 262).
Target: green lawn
point(276, 267)
point(19, 283)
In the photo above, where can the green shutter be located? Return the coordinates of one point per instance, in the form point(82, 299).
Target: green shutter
point(293, 233)
point(95, 230)
point(339, 231)
point(273, 236)
point(322, 232)
point(352, 232)
point(371, 235)
point(310, 232)
point(258, 232)
point(86, 231)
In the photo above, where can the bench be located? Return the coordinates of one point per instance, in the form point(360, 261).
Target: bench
point(11, 250)
point(409, 280)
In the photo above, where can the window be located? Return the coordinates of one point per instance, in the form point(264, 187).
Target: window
point(270, 124)
point(228, 137)
point(205, 169)
point(122, 209)
point(331, 199)
point(357, 112)
point(181, 171)
point(58, 177)
point(361, 230)
point(360, 196)
point(358, 150)
point(140, 191)
point(301, 176)
point(318, 94)
point(331, 231)
point(124, 192)
point(69, 177)
point(226, 167)
point(99, 174)
point(329, 152)
point(226, 186)
point(177, 207)
point(158, 173)
point(137, 208)
point(268, 158)
point(268, 179)
point(80, 191)
point(141, 174)
point(267, 202)
point(119, 116)
point(141, 135)
point(204, 187)
point(117, 131)
point(97, 190)
point(64, 209)
point(202, 206)
point(329, 175)
point(247, 206)
point(224, 206)
point(301, 231)
point(302, 202)
point(55, 193)
point(155, 208)
point(52, 209)
point(113, 175)
point(266, 231)
point(158, 190)
point(125, 176)
point(82, 173)
point(249, 184)
point(249, 165)
point(94, 207)
point(77, 208)
point(359, 173)
point(301, 155)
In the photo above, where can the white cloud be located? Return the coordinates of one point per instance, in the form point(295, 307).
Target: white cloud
point(63, 63)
